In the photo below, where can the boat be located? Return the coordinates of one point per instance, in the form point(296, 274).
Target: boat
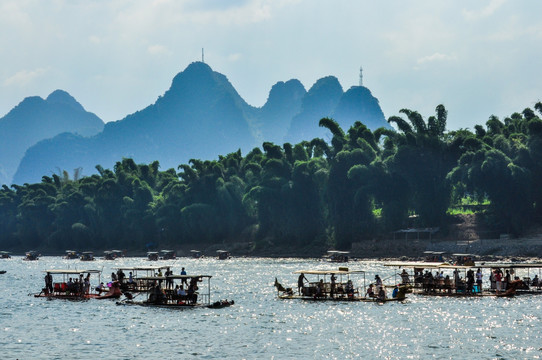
point(464, 259)
point(461, 280)
point(223, 254)
point(70, 285)
point(152, 255)
point(138, 276)
point(31, 256)
point(4, 255)
point(114, 291)
point(165, 293)
point(196, 254)
point(167, 254)
point(337, 256)
point(87, 256)
point(71, 254)
point(113, 254)
point(334, 285)
point(117, 253)
point(2, 272)
point(434, 256)
point(525, 277)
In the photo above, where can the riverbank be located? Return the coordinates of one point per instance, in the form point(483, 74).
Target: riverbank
point(466, 235)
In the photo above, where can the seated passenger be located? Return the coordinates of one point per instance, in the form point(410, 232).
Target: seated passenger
point(349, 288)
point(395, 291)
point(381, 294)
point(370, 291)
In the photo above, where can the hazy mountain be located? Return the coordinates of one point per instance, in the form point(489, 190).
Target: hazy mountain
point(35, 119)
point(327, 99)
point(319, 102)
point(358, 104)
point(202, 116)
point(283, 103)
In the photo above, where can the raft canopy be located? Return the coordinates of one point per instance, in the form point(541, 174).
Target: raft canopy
point(157, 278)
point(428, 265)
point(340, 271)
point(417, 264)
point(72, 271)
point(143, 268)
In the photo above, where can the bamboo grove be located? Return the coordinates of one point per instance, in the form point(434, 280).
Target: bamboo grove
point(359, 185)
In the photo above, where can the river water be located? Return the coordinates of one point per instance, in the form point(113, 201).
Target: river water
point(258, 326)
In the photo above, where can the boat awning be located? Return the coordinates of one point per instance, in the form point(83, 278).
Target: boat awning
point(71, 271)
point(417, 264)
point(510, 265)
point(329, 272)
point(158, 278)
point(143, 268)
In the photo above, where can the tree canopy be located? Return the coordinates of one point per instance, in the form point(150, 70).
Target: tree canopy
point(360, 185)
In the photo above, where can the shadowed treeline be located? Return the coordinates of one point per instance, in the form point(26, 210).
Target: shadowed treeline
point(361, 185)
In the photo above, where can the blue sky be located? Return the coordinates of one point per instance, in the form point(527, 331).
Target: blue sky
point(478, 58)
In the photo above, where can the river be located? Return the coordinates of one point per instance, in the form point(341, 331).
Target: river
point(258, 326)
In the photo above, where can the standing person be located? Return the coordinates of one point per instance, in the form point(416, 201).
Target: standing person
point(183, 272)
point(332, 291)
point(301, 283)
point(404, 277)
point(169, 280)
point(159, 275)
point(479, 277)
point(507, 280)
point(378, 283)
point(49, 282)
point(470, 281)
point(498, 279)
point(87, 283)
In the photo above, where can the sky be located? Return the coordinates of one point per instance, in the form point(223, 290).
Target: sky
point(115, 57)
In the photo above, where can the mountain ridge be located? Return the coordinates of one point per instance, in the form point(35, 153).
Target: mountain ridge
point(200, 116)
point(35, 119)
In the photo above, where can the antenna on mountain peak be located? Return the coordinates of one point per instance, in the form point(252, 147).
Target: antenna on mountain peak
point(202, 56)
point(360, 76)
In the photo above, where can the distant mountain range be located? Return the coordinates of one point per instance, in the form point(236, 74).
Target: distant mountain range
point(200, 116)
point(35, 119)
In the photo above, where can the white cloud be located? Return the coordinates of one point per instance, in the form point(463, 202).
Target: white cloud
point(24, 77)
point(234, 57)
point(95, 39)
point(485, 12)
point(158, 50)
point(436, 57)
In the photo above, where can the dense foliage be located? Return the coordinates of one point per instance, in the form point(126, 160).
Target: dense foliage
point(361, 185)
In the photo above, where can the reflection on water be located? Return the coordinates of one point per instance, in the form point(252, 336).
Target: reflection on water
point(259, 325)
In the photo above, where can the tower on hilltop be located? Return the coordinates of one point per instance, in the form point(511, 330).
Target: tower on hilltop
point(360, 76)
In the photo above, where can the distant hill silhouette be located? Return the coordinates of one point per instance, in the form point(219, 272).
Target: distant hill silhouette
point(202, 116)
point(283, 103)
point(326, 99)
point(35, 119)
